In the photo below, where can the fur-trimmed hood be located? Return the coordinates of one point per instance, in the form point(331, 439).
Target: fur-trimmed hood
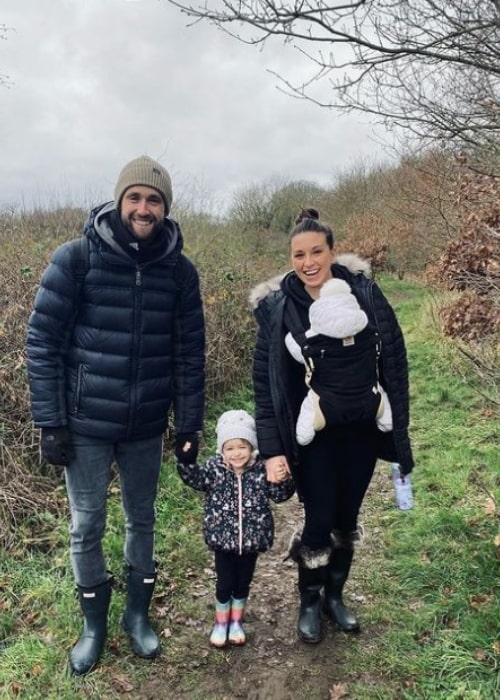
point(354, 263)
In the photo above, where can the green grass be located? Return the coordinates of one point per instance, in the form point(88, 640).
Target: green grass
point(437, 589)
point(433, 576)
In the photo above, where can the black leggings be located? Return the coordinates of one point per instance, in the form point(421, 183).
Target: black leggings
point(334, 473)
point(234, 574)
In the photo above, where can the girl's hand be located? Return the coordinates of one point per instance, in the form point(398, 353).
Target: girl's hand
point(277, 469)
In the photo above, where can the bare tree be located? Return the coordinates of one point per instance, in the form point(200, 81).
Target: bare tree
point(430, 67)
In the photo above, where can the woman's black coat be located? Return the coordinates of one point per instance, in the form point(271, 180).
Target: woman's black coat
point(275, 375)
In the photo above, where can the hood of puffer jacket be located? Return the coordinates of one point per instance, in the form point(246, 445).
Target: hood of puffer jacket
point(98, 223)
point(354, 263)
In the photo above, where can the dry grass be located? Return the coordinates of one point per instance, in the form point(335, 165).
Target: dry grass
point(26, 487)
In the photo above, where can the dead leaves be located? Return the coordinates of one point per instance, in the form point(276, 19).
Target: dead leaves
point(490, 507)
point(490, 510)
point(121, 683)
point(477, 602)
point(16, 689)
point(338, 691)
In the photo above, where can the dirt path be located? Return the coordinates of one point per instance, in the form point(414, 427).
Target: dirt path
point(273, 665)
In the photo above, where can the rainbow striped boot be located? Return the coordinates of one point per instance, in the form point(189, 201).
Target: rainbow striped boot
point(237, 634)
point(218, 637)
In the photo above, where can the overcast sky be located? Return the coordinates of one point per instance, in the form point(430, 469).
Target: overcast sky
point(95, 83)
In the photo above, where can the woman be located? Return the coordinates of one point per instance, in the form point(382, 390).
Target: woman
point(333, 472)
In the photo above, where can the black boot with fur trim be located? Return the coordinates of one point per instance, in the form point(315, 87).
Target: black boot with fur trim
point(337, 573)
point(312, 570)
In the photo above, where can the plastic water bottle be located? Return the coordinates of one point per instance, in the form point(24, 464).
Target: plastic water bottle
point(402, 488)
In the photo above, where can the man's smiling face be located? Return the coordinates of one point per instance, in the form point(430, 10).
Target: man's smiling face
point(142, 210)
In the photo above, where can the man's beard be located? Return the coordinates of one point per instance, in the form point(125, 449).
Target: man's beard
point(157, 228)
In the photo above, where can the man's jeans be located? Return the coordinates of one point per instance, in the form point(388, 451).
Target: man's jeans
point(87, 481)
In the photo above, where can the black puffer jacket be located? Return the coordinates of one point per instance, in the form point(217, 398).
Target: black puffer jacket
point(109, 356)
point(279, 381)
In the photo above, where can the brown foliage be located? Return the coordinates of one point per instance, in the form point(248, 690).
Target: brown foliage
point(470, 264)
point(470, 268)
point(402, 218)
point(367, 237)
point(230, 262)
point(230, 329)
point(470, 318)
point(26, 487)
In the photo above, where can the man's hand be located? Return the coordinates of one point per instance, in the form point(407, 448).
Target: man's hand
point(277, 469)
point(56, 446)
point(186, 447)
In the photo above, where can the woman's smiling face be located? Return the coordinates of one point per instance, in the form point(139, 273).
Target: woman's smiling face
point(312, 259)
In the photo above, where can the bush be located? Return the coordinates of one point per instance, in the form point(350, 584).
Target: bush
point(27, 242)
point(470, 267)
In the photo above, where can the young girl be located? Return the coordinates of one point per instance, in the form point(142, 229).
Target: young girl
point(238, 522)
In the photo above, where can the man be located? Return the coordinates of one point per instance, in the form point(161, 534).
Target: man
point(115, 339)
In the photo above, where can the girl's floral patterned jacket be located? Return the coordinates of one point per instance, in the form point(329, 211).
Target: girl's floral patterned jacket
point(238, 515)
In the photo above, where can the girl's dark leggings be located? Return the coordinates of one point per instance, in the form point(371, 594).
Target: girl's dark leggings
point(234, 574)
point(335, 471)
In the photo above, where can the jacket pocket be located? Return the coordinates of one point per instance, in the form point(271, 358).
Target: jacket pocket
point(78, 389)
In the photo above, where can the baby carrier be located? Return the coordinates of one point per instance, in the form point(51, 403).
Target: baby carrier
point(342, 371)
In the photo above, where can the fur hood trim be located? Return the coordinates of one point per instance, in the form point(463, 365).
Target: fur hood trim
point(354, 263)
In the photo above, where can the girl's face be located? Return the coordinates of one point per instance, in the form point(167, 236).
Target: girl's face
point(312, 260)
point(237, 453)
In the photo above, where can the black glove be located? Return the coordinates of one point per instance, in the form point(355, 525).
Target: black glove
point(56, 446)
point(186, 447)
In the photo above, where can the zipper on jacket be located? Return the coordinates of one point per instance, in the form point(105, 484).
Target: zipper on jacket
point(240, 513)
point(78, 389)
point(372, 306)
point(135, 351)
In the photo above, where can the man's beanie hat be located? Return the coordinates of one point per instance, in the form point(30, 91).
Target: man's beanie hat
point(236, 425)
point(144, 171)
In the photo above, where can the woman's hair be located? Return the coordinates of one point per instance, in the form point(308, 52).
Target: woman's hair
point(308, 220)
